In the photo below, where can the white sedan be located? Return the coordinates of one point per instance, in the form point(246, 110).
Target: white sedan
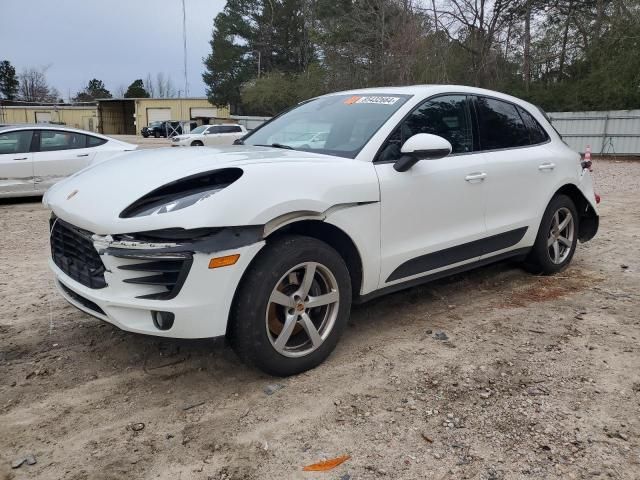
point(34, 157)
point(210, 135)
point(270, 243)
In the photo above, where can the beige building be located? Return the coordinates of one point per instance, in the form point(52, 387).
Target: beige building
point(129, 115)
point(84, 117)
point(115, 116)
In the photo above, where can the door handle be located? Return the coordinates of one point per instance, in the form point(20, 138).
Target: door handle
point(82, 155)
point(475, 176)
point(547, 166)
point(22, 158)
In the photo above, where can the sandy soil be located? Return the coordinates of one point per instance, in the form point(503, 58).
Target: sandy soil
point(539, 377)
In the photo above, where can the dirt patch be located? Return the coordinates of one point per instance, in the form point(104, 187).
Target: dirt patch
point(550, 288)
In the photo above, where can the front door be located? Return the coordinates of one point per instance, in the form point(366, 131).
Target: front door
point(16, 163)
point(432, 216)
point(59, 154)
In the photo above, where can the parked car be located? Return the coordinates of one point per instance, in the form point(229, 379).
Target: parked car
point(34, 157)
point(210, 135)
point(164, 129)
point(270, 245)
point(308, 140)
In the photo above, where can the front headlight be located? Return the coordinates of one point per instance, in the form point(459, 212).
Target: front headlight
point(182, 193)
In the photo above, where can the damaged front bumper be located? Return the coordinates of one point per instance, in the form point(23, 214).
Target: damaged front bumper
point(153, 275)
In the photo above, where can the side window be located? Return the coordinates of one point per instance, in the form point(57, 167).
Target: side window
point(447, 116)
point(52, 140)
point(537, 134)
point(229, 129)
point(214, 130)
point(95, 141)
point(15, 142)
point(500, 125)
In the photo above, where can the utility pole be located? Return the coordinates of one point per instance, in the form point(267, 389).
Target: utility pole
point(184, 47)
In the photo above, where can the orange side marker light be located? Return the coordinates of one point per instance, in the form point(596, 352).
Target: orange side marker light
point(224, 261)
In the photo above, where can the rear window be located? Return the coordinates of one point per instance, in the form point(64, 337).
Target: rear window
point(500, 125)
point(95, 141)
point(230, 129)
point(537, 134)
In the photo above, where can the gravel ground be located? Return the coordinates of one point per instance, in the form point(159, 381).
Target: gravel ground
point(534, 377)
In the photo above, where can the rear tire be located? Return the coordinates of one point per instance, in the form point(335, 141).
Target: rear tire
point(557, 237)
point(291, 307)
point(197, 143)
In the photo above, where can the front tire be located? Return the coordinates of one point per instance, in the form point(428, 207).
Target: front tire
point(197, 143)
point(557, 237)
point(291, 307)
point(156, 134)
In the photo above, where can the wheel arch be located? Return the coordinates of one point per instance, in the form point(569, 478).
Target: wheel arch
point(326, 232)
point(588, 218)
point(334, 237)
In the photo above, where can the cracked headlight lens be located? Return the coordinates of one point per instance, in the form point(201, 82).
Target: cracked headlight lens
point(182, 193)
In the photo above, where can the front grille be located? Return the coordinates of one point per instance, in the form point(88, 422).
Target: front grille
point(81, 300)
point(167, 271)
point(73, 252)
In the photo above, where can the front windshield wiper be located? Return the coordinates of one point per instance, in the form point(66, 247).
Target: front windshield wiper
point(277, 145)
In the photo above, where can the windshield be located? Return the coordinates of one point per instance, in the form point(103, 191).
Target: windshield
point(200, 129)
point(336, 125)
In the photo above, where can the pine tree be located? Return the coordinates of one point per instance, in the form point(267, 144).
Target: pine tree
point(8, 80)
point(136, 90)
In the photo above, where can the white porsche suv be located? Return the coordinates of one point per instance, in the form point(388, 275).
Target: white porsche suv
point(270, 242)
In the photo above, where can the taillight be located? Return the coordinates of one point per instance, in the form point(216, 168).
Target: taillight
point(597, 198)
point(586, 163)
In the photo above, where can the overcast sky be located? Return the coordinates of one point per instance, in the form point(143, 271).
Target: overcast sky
point(115, 41)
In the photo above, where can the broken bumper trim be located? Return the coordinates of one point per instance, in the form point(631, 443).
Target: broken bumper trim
point(201, 308)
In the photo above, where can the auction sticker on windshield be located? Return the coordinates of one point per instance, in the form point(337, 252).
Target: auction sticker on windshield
point(370, 99)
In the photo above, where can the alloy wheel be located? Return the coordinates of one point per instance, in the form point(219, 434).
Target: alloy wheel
point(302, 309)
point(561, 234)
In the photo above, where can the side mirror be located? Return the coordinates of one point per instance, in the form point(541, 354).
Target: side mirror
point(422, 146)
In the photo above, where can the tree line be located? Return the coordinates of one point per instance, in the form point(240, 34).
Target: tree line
point(31, 85)
point(267, 55)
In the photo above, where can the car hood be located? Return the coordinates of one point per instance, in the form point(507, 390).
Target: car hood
point(275, 182)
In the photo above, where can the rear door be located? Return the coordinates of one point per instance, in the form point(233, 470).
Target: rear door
point(224, 135)
point(16, 163)
point(213, 135)
point(231, 133)
point(59, 153)
point(520, 169)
